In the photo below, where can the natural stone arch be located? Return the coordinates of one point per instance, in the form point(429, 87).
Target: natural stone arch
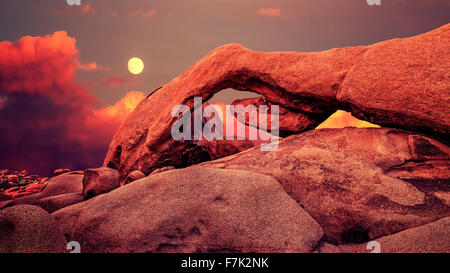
point(373, 82)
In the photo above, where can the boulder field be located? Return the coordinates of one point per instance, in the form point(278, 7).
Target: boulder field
point(320, 191)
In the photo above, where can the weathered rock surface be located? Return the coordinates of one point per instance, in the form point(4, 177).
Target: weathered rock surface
point(61, 184)
point(98, 181)
point(133, 176)
point(400, 83)
point(64, 183)
point(358, 184)
point(192, 210)
point(430, 238)
point(60, 171)
point(53, 203)
point(28, 229)
point(403, 83)
point(326, 248)
point(170, 153)
point(289, 121)
point(163, 169)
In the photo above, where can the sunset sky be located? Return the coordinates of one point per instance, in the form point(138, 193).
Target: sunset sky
point(65, 89)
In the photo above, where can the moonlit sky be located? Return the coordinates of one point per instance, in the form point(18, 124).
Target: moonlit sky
point(64, 83)
point(171, 35)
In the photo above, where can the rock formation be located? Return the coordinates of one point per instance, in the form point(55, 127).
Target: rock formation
point(193, 210)
point(55, 187)
point(358, 184)
point(98, 181)
point(322, 191)
point(401, 83)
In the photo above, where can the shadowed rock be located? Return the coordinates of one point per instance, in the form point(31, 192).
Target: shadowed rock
point(401, 83)
point(4, 197)
point(430, 238)
point(358, 184)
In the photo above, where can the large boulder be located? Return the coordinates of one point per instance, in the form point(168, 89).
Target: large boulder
point(53, 203)
point(29, 229)
point(400, 83)
point(192, 210)
point(430, 238)
point(98, 181)
point(63, 183)
point(358, 184)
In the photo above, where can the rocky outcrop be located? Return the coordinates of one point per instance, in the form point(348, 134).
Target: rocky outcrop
point(29, 229)
point(133, 176)
point(401, 83)
point(430, 238)
point(192, 210)
point(58, 185)
point(358, 184)
point(289, 121)
point(98, 181)
point(60, 171)
point(170, 153)
point(16, 184)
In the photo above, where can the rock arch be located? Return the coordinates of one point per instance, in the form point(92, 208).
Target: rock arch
point(402, 83)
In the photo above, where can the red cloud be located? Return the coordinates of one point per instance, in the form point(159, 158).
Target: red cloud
point(269, 12)
point(123, 107)
point(47, 120)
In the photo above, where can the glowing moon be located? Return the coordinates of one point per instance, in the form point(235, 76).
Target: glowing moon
point(135, 65)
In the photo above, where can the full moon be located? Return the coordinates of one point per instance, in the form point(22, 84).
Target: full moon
point(135, 65)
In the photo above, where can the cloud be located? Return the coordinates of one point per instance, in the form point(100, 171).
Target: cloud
point(269, 12)
point(91, 66)
point(47, 120)
point(272, 12)
point(123, 107)
point(83, 9)
point(143, 14)
point(118, 80)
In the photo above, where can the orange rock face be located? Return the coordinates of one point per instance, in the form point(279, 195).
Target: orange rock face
point(402, 83)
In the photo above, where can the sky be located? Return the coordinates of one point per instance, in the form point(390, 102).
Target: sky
point(64, 83)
